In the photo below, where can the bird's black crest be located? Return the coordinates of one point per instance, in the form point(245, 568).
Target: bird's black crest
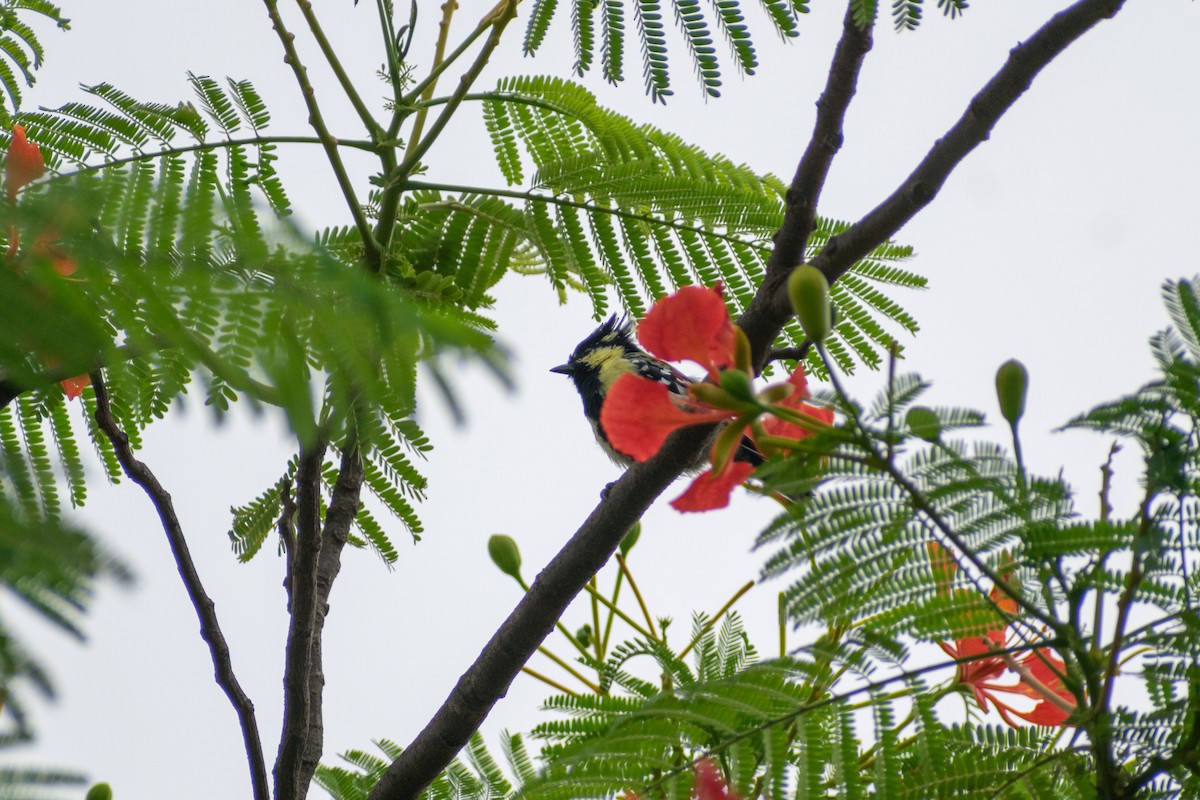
point(613, 331)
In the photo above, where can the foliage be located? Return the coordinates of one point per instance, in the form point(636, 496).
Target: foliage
point(162, 253)
point(631, 209)
point(695, 24)
point(478, 776)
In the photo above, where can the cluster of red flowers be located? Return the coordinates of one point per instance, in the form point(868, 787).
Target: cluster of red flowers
point(639, 414)
point(23, 165)
point(983, 659)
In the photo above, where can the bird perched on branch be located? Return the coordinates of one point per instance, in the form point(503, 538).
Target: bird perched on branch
point(608, 353)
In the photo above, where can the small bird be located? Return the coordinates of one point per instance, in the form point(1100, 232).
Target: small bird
point(604, 356)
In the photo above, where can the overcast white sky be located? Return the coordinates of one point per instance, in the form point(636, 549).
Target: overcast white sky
point(1049, 244)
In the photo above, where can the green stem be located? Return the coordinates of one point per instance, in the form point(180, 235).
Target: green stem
point(497, 20)
point(596, 620)
point(204, 146)
point(625, 617)
point(364, 113)
point(439, 55)
point(922, 505)
point(374, 255)
point(713, 619)
point(397, 174)
point(608, 623)
point(585, 206)
point(570, 669)
point(636, 593)
point(389, 48)
point(553, 684)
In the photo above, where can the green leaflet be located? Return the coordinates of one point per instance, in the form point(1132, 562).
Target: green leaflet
point(663, 214)
point(21, 51)
point(695, 22)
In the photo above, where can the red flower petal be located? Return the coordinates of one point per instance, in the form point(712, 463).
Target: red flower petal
point(711, 490)
point(45, 246)
point(774, 426)
point(710, 785)
point(691, 325)
point(638, 415)
point(74, 386)
point(1044, 713)
point(24, 163)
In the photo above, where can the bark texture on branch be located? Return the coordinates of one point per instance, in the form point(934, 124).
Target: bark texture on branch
point(206, 610)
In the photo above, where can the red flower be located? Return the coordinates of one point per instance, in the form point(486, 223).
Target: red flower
point(774, 426)
point(24, 163)
point(74, 386)
point(45, 246)
point(711, 489)
point(1039, 671)
point(710, 785)
point(639, 414)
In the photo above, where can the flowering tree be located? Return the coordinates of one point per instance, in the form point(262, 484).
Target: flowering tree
point(151, 266)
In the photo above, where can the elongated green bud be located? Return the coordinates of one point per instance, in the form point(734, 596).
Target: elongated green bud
point(923, 423)
point(737, 383)
point(505, 554)
point(809, 293)
point(630, 539)
point(719, 397)
point(1012, 381)
point(100, 791)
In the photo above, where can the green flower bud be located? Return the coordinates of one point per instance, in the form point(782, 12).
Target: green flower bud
point(923, 423)
point(737, 383)
point(809, 293)
point(719, 397)
point(1012, 381)
point(630, 539)
point(505, 554)
point(100, 791)
point(584, 635)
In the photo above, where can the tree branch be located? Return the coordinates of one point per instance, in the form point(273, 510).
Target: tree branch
point(489, 677)
point(299, 727)
point(314, 560)
point(210, 631)
point(770, 308)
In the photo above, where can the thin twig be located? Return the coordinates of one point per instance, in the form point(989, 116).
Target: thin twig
point(206, 610)
point(335, 64)
point(439, 55)
point(496, 20)
point(566, 665)
point(374, 255)
point(637, 593)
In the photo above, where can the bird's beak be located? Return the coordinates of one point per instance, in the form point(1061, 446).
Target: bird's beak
point(562, 369)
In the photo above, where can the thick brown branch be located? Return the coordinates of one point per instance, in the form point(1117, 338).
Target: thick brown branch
point(800, 215)
point(343, 506)
point(488, 679)
point(291, 782)
point(210, 631)
point(771, 309)
point(314, 558)
point(501, 659)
